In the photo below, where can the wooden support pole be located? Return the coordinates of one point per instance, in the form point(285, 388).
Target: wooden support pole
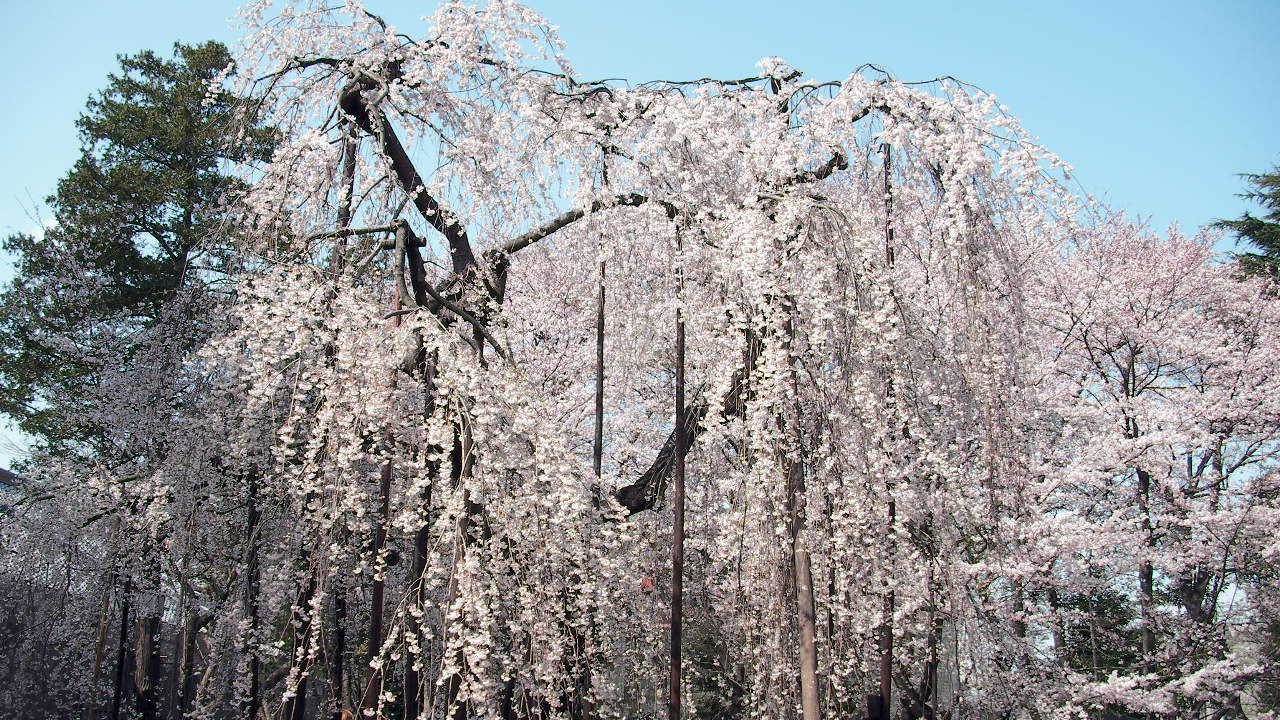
point(677, 497)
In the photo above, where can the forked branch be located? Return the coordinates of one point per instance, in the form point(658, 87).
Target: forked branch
point(354, 101)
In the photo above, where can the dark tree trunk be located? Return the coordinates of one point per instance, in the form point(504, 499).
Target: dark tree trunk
point(149, 647)
point(412, 677)
point(253, 702)
point(374, 637)
point(295, 708)
point(1146, 571)
point(802, 575)
point(187, 682)
point(122, 649)
point(339, 647)
point(100, 649)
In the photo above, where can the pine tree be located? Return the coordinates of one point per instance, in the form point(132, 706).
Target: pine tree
point(1262, 233)
point(130, 219)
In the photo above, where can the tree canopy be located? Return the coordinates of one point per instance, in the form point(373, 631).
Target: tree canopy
point(1260, 232)
point(133, 220)
point(538, 396)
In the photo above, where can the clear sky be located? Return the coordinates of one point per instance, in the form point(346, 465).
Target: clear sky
point(1157, 105)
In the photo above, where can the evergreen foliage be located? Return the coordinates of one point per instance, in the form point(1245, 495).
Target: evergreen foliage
point(1262, 233)
point(130, 224)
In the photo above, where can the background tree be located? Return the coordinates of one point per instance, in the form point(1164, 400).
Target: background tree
point(128, 226)
point(110, 298)
point(1263, 232)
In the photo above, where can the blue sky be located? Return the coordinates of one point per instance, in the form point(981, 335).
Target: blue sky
point(1157, 105)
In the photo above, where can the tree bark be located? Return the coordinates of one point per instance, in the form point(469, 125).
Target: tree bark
point(187, 680)
point(122, 649)
point(802, 576)
point(374, 683)
point(347, 189)
point(252, 702)
point(810, 709)
point(99, 649)
point(149, 660)
point(1146, 571)
point(597, 448)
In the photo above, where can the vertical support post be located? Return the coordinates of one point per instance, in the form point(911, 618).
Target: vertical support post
point(374, 683)
point(100, 648)
point(252, 703)
point(677, 495)
point(337, 264)
point(886, 620)
point(597, 450)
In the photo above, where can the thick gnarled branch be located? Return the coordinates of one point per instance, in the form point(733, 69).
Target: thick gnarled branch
point(647, 490)
point(372, 120)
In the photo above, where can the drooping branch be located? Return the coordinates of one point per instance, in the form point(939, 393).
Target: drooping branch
point(644, 493)
point(647, 490)
point(402, 290)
